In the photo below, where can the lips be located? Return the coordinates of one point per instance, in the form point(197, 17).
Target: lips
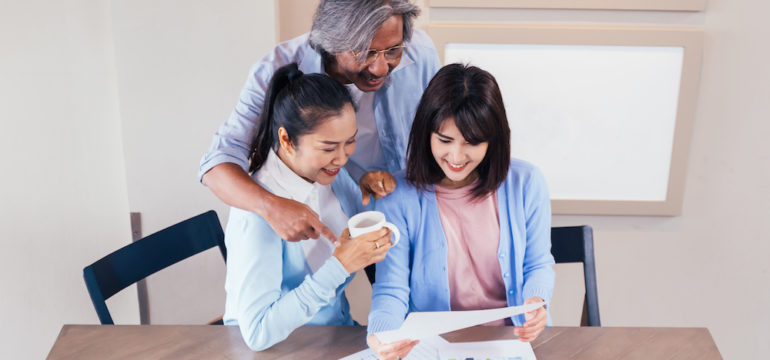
point(331, 172)
point(374, 81)
point(456, 168)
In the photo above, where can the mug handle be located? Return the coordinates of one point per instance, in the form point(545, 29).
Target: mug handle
point(394, 230)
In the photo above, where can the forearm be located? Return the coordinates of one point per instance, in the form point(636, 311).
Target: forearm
point(262, 325)
point(389, 308)
point(236, 188)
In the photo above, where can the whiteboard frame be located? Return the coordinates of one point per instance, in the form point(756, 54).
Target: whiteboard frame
point(655, 5)
point(688, 38)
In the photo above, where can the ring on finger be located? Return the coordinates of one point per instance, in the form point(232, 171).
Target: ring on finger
point(376, 245)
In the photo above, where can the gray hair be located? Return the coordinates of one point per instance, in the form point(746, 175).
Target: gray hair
point(350, 25)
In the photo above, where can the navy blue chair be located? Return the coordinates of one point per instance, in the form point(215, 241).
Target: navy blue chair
point(148, 255)
point(575, 244)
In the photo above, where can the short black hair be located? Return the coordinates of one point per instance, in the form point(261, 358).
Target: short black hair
point(471, 97)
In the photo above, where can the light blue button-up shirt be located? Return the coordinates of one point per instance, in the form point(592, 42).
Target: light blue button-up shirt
point(395, 102)
point(271, 289)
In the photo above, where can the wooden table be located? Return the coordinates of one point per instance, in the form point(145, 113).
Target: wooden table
point(333, 342)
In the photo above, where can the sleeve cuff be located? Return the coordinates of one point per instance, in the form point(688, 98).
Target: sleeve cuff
point(382, 324)
point(208, 164)
point(543, 293)
point(331, 274)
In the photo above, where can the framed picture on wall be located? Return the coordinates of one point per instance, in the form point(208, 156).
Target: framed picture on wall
point(605, 112)
point(658, 5)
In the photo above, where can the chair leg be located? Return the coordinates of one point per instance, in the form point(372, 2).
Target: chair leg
point(217, 321)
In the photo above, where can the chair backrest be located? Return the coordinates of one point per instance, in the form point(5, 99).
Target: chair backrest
point(571, 244)
point(148, 255)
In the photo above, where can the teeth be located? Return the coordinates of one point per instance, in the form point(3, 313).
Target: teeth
point(455, 166)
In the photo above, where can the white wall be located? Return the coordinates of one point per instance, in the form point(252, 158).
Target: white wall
point(678, 271)
point(63, 201)
point(180, 66)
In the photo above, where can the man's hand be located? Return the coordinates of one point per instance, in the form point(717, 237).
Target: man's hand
point(376, 183)
point(295, 221)
point(291, 220)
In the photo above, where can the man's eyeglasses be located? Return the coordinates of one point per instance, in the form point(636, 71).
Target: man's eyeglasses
point(369, 56)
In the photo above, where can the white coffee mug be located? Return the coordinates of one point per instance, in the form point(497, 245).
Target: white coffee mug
point(369, 221)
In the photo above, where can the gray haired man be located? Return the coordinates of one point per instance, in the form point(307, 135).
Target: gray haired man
point(373, 48)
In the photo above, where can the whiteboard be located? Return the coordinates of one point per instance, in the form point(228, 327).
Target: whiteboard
point(598, 120)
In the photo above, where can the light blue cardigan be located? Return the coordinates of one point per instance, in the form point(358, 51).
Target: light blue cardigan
point(414, 277)
point(270, 291)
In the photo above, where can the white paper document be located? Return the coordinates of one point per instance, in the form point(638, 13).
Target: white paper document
point(436, 348)
point(427, 349)
point(421, 325)
point(487, 350)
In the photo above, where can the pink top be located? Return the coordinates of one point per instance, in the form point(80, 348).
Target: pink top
point(472, 229)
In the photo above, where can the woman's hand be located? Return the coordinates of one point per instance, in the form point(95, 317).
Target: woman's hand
point(356, 253)
point(536, 321)
point(376, 183)
point(392, 351)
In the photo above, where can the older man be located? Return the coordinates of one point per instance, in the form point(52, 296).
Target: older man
point(373, 48)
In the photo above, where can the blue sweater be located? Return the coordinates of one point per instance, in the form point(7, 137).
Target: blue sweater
point(270, 290)
point(414, 276)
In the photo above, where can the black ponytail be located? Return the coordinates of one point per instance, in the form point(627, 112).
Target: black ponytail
point(298, 103)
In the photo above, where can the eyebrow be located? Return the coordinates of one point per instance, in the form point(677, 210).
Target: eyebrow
point(444, 136)
point(329, 142)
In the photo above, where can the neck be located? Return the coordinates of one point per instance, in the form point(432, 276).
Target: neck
point(451, 184)
point(287, 160)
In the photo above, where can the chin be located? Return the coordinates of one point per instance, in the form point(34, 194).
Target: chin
point(365, 87)
point(455, 177)
point(325, 180)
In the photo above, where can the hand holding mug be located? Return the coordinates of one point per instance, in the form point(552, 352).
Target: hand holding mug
point(369, 221)
point(356, 253)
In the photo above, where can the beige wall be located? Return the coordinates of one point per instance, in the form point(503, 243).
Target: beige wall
point(170, 72)
point(181, 66)
point(63, 200)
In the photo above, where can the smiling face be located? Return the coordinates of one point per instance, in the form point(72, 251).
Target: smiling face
point(319, 155)
point(371, 77)
point(456, 157)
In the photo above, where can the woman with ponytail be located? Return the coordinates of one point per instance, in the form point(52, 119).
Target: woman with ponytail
point(306, 134)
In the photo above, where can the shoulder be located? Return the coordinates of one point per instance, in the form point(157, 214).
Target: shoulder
point(422, 51)
point(245, 228)
point(287, 52)
point(403, 187)
point(420, 40)
point(404, 194)
point(522, 173)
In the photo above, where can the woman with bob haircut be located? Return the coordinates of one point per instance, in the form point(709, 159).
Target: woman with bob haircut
point(475, 222)
point(306, 134)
